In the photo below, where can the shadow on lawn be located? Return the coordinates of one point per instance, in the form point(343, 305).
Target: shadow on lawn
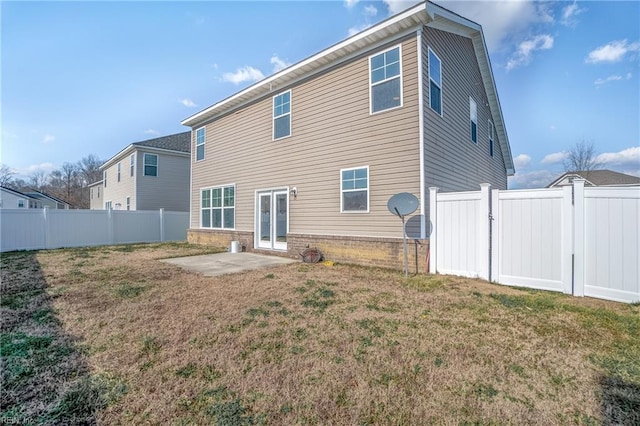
point(45, 379)
point(620, 402)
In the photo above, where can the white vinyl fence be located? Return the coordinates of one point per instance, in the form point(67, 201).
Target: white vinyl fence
point(48, 229)
point(575, 240)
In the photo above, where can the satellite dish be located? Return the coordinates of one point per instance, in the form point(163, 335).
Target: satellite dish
point(413, 227)
point(402, 204)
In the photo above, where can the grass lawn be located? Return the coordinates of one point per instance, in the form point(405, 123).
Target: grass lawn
point(111, 335)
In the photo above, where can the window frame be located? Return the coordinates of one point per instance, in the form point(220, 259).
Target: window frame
point(21, 203)
point(132, 165)
point(491, 134)
point(104, 178)
point(222, 208)
point(201, 143)
point(128, 203)
point(119, 168)
point(386, 80)
point(368, 189)
point(440, 85)
point(108, 205)
point(274, 117)
point(473, 120)
point(144, 164)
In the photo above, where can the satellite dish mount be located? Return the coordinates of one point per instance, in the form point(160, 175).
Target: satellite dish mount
point(401, 205)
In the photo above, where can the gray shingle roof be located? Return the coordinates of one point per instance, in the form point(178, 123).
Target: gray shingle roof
point(178, 142)
point(603, 177)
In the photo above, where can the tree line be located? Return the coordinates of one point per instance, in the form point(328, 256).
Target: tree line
point(69, 183)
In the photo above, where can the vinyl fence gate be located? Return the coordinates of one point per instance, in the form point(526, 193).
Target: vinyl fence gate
point(572, 239)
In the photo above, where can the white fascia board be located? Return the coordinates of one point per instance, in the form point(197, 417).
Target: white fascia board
point(130, 149)
point(356, 42)
point(116, 157)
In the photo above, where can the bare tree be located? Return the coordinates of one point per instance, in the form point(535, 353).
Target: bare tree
point(581, 157)
point(89, 168)
point(38, 180)
point(6, 175)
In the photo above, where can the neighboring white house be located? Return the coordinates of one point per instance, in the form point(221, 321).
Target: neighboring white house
point(12, 199)
point(146, 175)
point(48, 200)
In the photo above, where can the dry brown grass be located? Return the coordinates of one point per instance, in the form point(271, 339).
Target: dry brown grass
point(312, 344)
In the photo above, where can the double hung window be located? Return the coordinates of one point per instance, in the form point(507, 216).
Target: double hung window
point(435, 82)
point(200, 140)
point(282, 115)
point(354, 188)
point(217, 207)
point(150, 162)
point(385, 79)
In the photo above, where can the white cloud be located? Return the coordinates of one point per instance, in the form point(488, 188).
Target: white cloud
point(555, 158)
point(48, 138)
point(532, 179)
point(355, 30)
point(614, 77)
point(525, 50)
point(188, 103)
point(151, 132)
point(396, 6)
point(629, 156)
point(278, 64)
point(569, 14)
point(613, 51)
point(350, 3)
point(521, 161)
point(370, 10)
point(247, 73)
point(502, 21)
point(34, 168)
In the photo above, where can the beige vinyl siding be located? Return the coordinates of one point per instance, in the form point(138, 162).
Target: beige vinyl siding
point(95, 198)
point(452, 161)
point(331, 129)
point(117, 192)
point(169, 189)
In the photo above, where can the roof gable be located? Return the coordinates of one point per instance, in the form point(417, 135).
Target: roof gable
point(179, 143)
point(597, 178)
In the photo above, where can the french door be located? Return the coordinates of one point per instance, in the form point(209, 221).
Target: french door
point(272, 219)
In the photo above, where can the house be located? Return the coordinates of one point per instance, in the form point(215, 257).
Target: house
point(147, 175)
point(597, 178)
point(309, 156)
point(12, 199)
point(48, 200)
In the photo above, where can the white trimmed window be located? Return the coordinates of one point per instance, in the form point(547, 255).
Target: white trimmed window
point(21, 204)
point(150, 162)
point(354, 190)
point(200, 139)
point(118, 172)
point(132, 164)
point(107, 205)
point(217, 207)
point(128, 203)
point(282, 115)
point(385, 71)
point(104, 178)
point(435, 82)
point(473, 116)
point(491, 133)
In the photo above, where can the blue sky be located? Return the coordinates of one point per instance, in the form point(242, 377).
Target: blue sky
point(82, 78)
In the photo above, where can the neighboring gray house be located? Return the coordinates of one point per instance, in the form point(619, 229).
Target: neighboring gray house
point(597, 178)
point(12, 199)
point(147, 175)
point(48, 200)
point(309, 156)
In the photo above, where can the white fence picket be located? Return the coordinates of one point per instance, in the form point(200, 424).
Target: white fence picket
point(48, 229)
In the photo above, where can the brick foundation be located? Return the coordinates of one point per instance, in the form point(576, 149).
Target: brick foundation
point(366, 251)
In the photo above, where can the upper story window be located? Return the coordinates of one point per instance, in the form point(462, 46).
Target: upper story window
point(132, 164)
point(282, 115)
point(104, 178)
point(491, 133)
point(473, 116)
point(385, 78)
point(217, 207)
point(200, 137)
point(354, 188)
point(118, 172)
point(150, 164)
point(435, 82)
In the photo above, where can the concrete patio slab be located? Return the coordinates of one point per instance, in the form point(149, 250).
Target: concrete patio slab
point(212, 265)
